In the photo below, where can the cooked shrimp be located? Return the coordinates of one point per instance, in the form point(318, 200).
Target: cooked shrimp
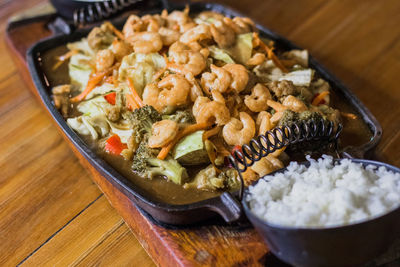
point(206, 111)
point(168, 36)
point(240, 76)
point(249, 176)
point(245, 24)
point(104, 59)
point(267, 165)
point(121, 49)
point(218, 79)
point(217, 96)
point(294, 104)
point(256, 59)
point(146, 42)
point(205, 15)
point(173, 91)
point(263, 122)
point(132, 25)
point(223, 35)
point(162, 132)
point(239, 132)
point(198, 33)
point(187, 61)
point(195, 89)
point(257, 101)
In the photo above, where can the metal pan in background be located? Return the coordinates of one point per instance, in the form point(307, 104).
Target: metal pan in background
point(225, 205)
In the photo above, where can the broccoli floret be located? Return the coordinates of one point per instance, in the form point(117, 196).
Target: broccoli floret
point(289, 117)
point(181, 116)
point(142, 120)
point(146, 164)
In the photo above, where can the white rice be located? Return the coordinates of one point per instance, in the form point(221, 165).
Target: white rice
point(325, 194)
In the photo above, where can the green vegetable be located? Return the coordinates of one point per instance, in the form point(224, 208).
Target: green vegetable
point(142, 120)
point(146, 164)
point(220, 54)
point(140, 68)
point(241, 51)
point(181, 116)
point(190, 150)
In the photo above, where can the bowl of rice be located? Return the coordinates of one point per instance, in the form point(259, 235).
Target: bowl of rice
point(327, 212)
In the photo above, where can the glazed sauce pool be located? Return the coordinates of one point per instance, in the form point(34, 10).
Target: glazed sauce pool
point(355, 133)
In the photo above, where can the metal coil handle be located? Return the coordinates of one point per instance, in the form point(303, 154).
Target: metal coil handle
point(100, 10)
point(280, 137)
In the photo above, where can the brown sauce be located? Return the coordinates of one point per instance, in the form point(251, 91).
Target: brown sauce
point(355, 133)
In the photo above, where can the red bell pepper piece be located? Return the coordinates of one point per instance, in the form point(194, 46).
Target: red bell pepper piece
point(111, 98)
point(114, 145)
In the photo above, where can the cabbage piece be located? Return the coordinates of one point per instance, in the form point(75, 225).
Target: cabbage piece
point(300, 56)
point(241, 51)
point(90, 125)
point(190, 150)
point(94, 106)
point(220, 54)
point(141, 68)
point(101, 90)
point(299, 77)
point(268, 71)
point(78, 67)
point(123, 130)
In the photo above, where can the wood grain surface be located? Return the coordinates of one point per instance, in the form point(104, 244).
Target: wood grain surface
point(53, 214)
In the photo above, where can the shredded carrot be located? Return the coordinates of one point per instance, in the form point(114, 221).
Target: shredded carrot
point(109, 79)
point(185, 131)
point(348, 115)
point(318, 99)
point(130, 102)
point(270, 53)
point(94, 80)
point(115, 30)
point(61, 59)
point(135, 95)
point(211, 132)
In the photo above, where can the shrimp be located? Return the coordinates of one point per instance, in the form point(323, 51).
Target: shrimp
point(249, 176)
point(121, 49)
point(195, 89)
point(267, 165)
point(132, 25)
point(256, 59)
point(187, 61)
point(239, 132)
point(223, 35)
point(257, 101)
point(206, 111)
point(218, 79)
point(198, 33)
point(104, 59)
point(217, 96)
point(162, 132)
point(168, 36)
point(173, 91)
point(245, 24)
point(263, 122)
point(294, 104)
point(146, 42)
point(240, 76)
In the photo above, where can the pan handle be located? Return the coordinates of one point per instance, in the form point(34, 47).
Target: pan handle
point(228, 207)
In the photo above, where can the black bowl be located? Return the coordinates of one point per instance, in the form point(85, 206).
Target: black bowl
point(348, 245)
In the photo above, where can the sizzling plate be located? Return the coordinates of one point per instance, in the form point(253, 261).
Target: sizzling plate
point(225, 205)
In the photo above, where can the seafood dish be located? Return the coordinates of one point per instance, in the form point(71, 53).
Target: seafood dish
point(171, 95)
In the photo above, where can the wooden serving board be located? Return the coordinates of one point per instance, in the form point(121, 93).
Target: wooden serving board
point(214, 245)
point(359, 42)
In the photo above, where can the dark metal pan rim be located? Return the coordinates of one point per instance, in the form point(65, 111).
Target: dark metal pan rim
point(112, 175)
point(327, 228)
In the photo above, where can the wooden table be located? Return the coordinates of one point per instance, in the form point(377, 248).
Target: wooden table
point(52, 213)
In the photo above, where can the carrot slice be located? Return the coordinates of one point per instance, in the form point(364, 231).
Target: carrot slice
point(130, 102)
point(135, 95)
point(348, 115)
point(270, 53)
point(211, 132)
point(61, 59)
point(117, 32)
point(319, 98)
point(185, 131)
point(94, 80)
